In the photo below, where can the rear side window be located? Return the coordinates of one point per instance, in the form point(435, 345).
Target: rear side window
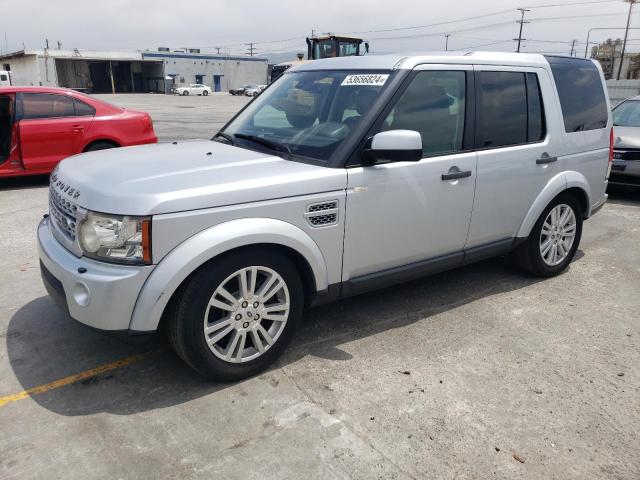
point(83, 110)
point(535, 120)
point(46, 105)
point(581, 93)
point(510, 109)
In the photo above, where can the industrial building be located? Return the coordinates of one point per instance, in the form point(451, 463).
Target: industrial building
point(134, 71)
point(609, 53)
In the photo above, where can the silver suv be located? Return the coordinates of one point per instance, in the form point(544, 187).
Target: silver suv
point(345, 175)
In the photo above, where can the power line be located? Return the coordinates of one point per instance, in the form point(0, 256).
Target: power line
point(437, 24)
point(573, 3)
point(481, 45)
point(435, 34)
point(544, 19)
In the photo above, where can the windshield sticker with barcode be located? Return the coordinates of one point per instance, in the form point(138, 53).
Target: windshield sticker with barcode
point(372, 79)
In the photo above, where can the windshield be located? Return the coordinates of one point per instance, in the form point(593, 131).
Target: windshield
point(627, 114)
point(308, 114)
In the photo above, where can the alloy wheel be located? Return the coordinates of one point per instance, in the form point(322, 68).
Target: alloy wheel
point(246, 314)
point(557, 234)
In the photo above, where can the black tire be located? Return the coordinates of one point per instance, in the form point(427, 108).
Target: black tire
point(205, 93)
point(528, 255)
point(185, 93)
point(186, 314)
point(99, 146)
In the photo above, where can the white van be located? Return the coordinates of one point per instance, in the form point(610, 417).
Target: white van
point(5, 78)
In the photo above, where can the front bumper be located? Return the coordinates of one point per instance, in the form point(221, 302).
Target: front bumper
point(103, 297)
point(625, 172)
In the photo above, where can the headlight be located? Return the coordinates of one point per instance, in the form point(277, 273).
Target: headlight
point(115, 238)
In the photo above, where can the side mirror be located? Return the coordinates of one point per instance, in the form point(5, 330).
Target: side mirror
point(395, 146)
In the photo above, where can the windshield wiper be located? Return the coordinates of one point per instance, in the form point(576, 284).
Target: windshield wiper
point(226, 136)
point(279, 147)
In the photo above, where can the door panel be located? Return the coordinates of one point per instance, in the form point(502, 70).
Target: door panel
point(400, 213)
point(405, 212)
point(49, 129)
point(510, 177)
point(46, 141)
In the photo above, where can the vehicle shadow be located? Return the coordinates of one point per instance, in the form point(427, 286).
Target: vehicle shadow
point(44, 345)
point(623, 196)
point(29, 181)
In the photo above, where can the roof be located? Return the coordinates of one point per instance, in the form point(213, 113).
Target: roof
point(77, 54)
point(336, 35)
point(200, 56)
point(410, 60)
point(18, 88)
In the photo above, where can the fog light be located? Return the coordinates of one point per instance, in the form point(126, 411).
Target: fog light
point(81, 294)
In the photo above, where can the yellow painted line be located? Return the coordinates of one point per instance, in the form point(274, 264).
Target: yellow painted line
point(74, 378)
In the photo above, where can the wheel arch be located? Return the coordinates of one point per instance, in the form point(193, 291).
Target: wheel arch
point(101, 140)
point(572, 182)
point(176, 267)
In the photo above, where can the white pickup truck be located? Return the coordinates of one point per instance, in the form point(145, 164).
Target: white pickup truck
point(345, 175)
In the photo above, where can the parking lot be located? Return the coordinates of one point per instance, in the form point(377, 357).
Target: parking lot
point(481, 372)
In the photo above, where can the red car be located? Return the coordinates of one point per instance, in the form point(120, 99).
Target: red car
point(41, 126)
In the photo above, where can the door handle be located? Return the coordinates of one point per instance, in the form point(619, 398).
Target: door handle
point(77, 128)
point(545, 158)
point(455, 175)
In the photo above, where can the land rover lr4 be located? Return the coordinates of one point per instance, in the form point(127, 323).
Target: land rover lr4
point(345, 175)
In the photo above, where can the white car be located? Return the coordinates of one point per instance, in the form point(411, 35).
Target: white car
point(254, 91)
point(194, 89)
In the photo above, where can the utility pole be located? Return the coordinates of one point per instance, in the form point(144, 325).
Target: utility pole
point(521, 22)
point(626, 33)
point(217, 50)
point(446, 41)
point(573, 45)
point(251, 49)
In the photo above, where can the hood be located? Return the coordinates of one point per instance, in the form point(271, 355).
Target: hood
point(626, 137)
point(165, 178)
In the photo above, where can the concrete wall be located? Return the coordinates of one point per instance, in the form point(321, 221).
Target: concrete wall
point(73, 74)
point(24, 70)
point(621, 89)
point(233, 71)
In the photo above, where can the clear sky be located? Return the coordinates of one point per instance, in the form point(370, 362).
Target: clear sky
point(278, 26)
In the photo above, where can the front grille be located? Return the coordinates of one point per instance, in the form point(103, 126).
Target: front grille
point(322, 214)
point(624, 179)
point(626, 154)
point(64, 214)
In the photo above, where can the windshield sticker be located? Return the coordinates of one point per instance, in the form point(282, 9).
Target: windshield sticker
point(373, 80)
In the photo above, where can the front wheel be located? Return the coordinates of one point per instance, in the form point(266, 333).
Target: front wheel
point(237, 314)
point(185, 93)
point(554, 239)
point(205, 93)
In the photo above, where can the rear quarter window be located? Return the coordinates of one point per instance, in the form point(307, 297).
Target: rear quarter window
point(581, 92)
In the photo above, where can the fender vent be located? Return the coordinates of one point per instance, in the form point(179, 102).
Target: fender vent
point(322, 214)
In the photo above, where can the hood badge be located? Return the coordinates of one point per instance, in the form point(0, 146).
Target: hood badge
point(64, 187)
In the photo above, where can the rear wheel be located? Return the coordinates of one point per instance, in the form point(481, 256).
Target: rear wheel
point(237, 314)
point(554, 238)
